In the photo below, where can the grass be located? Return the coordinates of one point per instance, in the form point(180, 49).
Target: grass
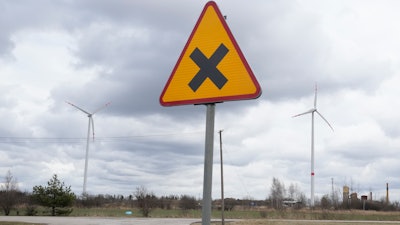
point(289, 222)
point(103, 212)
point(161, 213)
point(260, 217)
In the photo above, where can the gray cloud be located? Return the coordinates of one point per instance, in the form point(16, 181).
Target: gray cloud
point(92, 52)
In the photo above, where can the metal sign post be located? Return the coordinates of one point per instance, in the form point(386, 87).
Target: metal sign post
point(208, 165)
point(210, 69)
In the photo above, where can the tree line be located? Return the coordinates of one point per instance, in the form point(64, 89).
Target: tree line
point(292, 197)
point(55, 196)
point(58, 199)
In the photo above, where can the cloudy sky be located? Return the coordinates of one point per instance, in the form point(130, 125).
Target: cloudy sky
point(92, 52)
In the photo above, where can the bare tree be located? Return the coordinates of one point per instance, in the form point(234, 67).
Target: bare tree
point(188, 202)
point(8, 193)
point(145, 200)
point(325, 202)
point(292, 191)
point(277, 193)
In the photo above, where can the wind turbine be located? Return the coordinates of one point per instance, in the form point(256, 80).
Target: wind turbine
point(91, 125)
point(312, 111)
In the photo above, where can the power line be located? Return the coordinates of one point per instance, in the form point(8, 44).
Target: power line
point(66, 140)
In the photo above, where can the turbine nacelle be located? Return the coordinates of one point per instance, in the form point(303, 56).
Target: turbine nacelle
point(307, 112)
point(315, 110)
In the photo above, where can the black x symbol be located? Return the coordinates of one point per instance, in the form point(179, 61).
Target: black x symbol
point(208, 68)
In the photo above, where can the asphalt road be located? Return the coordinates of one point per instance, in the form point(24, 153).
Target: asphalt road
point(98, 220)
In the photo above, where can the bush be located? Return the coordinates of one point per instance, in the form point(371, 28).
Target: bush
point(31, 210)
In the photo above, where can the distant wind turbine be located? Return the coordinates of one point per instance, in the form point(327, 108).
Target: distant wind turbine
point(312, 111)
point(91, 125)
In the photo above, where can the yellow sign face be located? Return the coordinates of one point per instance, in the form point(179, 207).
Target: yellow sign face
point(211, 67)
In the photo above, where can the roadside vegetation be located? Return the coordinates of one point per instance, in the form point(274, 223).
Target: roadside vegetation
point(56, 198)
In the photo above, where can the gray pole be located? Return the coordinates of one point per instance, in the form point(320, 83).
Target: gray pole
point(312, 161)
point(208, 164)
point(84, 193)
point(222, 180)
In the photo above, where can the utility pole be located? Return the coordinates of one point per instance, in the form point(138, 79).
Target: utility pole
point(222, 180)
point(333, 194)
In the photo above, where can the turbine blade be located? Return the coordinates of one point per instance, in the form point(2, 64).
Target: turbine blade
point(324, 119)
point(309, 111)
point(315, 97)
point(101, 108)
point(77, 107)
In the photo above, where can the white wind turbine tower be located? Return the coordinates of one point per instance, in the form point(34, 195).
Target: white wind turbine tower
point(91, 125)
point(312, 111)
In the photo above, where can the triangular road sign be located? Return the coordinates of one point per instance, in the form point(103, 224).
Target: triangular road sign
point(211, 67)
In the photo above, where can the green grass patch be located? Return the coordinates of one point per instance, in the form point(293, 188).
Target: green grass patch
point(101, 212)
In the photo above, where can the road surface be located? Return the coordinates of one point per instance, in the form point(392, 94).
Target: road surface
point(98, 220)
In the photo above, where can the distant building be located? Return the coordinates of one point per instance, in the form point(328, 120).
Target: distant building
point(346, 196)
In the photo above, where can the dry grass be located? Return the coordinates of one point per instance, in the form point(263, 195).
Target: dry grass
point(318, 217)
point(309, 222)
